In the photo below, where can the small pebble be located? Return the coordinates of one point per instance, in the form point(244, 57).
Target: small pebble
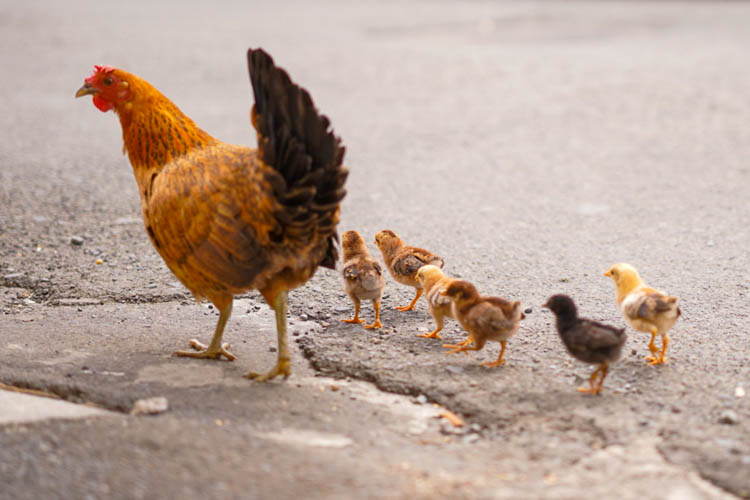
point(470, 438)
point(76, 241)
point(150, 406)
point(271, 349)
point(729, 417)
point(421, 399)
point(528, 310)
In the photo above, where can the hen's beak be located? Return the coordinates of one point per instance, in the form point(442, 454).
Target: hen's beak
point(87, 89)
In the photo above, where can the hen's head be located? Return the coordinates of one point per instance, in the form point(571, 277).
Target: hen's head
point(108, 86)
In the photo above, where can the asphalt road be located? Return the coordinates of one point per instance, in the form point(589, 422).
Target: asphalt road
point(532, 145)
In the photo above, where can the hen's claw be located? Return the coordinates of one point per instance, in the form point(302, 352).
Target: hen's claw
point(203, 351)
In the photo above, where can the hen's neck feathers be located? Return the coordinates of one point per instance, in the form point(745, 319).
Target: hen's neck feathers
point(154, 130)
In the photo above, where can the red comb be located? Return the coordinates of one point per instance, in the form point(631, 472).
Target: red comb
point(97, 70)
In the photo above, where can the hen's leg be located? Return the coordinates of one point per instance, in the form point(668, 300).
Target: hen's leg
point(283, 366)
point(499, 361)
point(377, 323)
point(355, 319)
point(438, 326)
point(216, 349)
point(413, 302)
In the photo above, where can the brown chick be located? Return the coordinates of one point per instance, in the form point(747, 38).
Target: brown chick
point(586, 340)
point(433, 281)
point(646, 309)
point(403, 261)
point(485, 318)
point(363, 276)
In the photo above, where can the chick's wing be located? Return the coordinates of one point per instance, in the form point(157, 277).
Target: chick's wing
point(647, 304)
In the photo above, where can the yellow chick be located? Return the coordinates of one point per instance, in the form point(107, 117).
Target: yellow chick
point(433, 281)
point(485, 318)
point(363, 276)
point(403, 261)
point(646, 309)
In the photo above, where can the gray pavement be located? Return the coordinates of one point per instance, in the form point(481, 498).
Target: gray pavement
point(531, 144)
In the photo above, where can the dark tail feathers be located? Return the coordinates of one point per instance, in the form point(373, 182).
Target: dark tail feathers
point(294, 139)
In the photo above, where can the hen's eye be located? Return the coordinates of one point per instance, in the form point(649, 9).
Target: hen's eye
point(108, 80)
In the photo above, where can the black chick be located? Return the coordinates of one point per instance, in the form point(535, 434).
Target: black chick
point(586, 340)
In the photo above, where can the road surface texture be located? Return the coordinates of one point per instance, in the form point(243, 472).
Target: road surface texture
point(532, 145)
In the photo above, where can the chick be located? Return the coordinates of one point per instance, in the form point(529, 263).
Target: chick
point(586, 340)
point(403, 262)
point(485, 318)
point(363, 276)
point(433, 281)
point(646, 309)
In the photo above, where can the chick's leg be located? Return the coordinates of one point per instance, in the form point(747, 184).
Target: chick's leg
point(653, 359)
point(660, 359)
point(413, 302)
point(499, 361)
point(355, 319)
point(377, 323)
point(283, 365)
point(591, 389)
point(216, 349)
point(604, 371)
point(438, 326)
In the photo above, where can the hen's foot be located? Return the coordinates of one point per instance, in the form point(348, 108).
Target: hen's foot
point(205, 352)
point(283, 367)
point(430, 335)
point(377, 324)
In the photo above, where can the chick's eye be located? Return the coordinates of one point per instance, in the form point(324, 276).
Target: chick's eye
point(108, 80)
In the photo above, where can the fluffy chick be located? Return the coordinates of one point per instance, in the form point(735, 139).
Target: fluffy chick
point(646, 309)
point(485, 318)
point(433, 281)
point(403, 261)
point(363, 276)
point(586, 340)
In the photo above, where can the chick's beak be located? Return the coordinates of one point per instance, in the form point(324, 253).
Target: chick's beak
point(608, 274)
point(87, 89)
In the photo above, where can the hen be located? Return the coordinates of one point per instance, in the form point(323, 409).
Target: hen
point(485, 318)
point(227, 219)
point(403, 262)
point(586, 340)
point(363, 276)
point(646, 309)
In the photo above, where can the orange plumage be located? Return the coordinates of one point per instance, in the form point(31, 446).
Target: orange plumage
point(226, 218)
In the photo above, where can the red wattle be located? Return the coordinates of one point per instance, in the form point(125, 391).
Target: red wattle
point(102, 104)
